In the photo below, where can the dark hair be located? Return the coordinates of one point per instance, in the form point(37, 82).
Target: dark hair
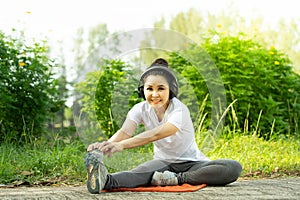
point(160, 62)
point(159, 67)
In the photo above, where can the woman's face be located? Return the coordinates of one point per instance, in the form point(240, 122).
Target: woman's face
point(156, 91)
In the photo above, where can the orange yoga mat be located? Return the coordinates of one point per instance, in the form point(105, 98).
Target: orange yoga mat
point(176, 188)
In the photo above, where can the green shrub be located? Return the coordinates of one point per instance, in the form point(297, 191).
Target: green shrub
point(28, 93)
point(115, 94)
point(260, 79)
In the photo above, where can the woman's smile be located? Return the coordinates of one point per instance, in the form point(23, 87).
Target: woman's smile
point(156, 101)
point(156, 91)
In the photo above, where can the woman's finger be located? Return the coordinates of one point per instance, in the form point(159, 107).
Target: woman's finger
point(104, 146)
point(96, 145)
point(91, 147)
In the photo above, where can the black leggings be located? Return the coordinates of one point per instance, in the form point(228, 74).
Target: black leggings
point(216, 172)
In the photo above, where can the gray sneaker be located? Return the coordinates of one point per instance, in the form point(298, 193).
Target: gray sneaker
point(96, 171)
point(164, 178)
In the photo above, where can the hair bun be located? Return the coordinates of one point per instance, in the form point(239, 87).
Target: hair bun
point(160, 62)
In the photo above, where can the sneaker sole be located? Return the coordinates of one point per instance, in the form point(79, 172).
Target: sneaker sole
point(96, 171)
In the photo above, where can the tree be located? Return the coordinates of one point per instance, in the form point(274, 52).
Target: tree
point(94, 101)
point(198, 25)
point(86, 44)
point(84, 81)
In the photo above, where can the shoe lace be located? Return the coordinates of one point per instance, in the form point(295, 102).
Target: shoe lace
point(168, 178)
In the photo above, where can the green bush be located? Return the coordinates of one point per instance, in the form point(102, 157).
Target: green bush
point(28, 93)
point(87, 90)
point(261, 79)
point(114, 96)
point(106, 97)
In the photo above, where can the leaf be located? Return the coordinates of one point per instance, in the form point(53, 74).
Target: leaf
point(27, 173)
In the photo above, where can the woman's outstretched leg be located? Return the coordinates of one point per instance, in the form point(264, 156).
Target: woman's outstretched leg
point(139, 176)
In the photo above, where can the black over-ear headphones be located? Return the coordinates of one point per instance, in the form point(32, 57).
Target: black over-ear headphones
point(169, 75)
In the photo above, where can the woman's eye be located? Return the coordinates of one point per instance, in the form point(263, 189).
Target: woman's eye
point(149, 89)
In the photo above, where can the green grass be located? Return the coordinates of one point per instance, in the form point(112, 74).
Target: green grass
point(42, 163)
point(261, 158)
point(59, 163)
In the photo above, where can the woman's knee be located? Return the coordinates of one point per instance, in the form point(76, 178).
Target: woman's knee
point(237, 167)
point(233, 170)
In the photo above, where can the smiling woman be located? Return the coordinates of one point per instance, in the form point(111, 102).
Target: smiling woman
point(177, 158)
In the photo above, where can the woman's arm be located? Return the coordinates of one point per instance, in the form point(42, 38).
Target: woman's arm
point(127, 130)
point(146, 137)
point(124, 133)
point(119, 136)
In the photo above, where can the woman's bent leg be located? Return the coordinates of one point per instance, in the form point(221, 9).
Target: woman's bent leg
point(216, 172)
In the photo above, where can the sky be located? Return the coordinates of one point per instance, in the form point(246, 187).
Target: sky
point(60, 18)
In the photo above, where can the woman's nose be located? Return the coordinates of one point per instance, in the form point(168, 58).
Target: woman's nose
point(154, 93)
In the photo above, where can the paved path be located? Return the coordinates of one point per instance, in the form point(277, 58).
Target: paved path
point(288, 188)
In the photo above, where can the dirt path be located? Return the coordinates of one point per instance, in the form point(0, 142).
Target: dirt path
point(288, 188)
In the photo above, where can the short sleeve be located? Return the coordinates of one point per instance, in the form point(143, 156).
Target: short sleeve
point(135, 113)
point(178, 116)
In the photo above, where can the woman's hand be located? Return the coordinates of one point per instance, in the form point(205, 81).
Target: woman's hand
point(96, 145)
point(108, 148)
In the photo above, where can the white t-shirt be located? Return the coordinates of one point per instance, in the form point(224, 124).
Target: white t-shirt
point(178, 147)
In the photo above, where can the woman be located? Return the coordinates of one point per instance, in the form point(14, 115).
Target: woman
point(168, 124)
